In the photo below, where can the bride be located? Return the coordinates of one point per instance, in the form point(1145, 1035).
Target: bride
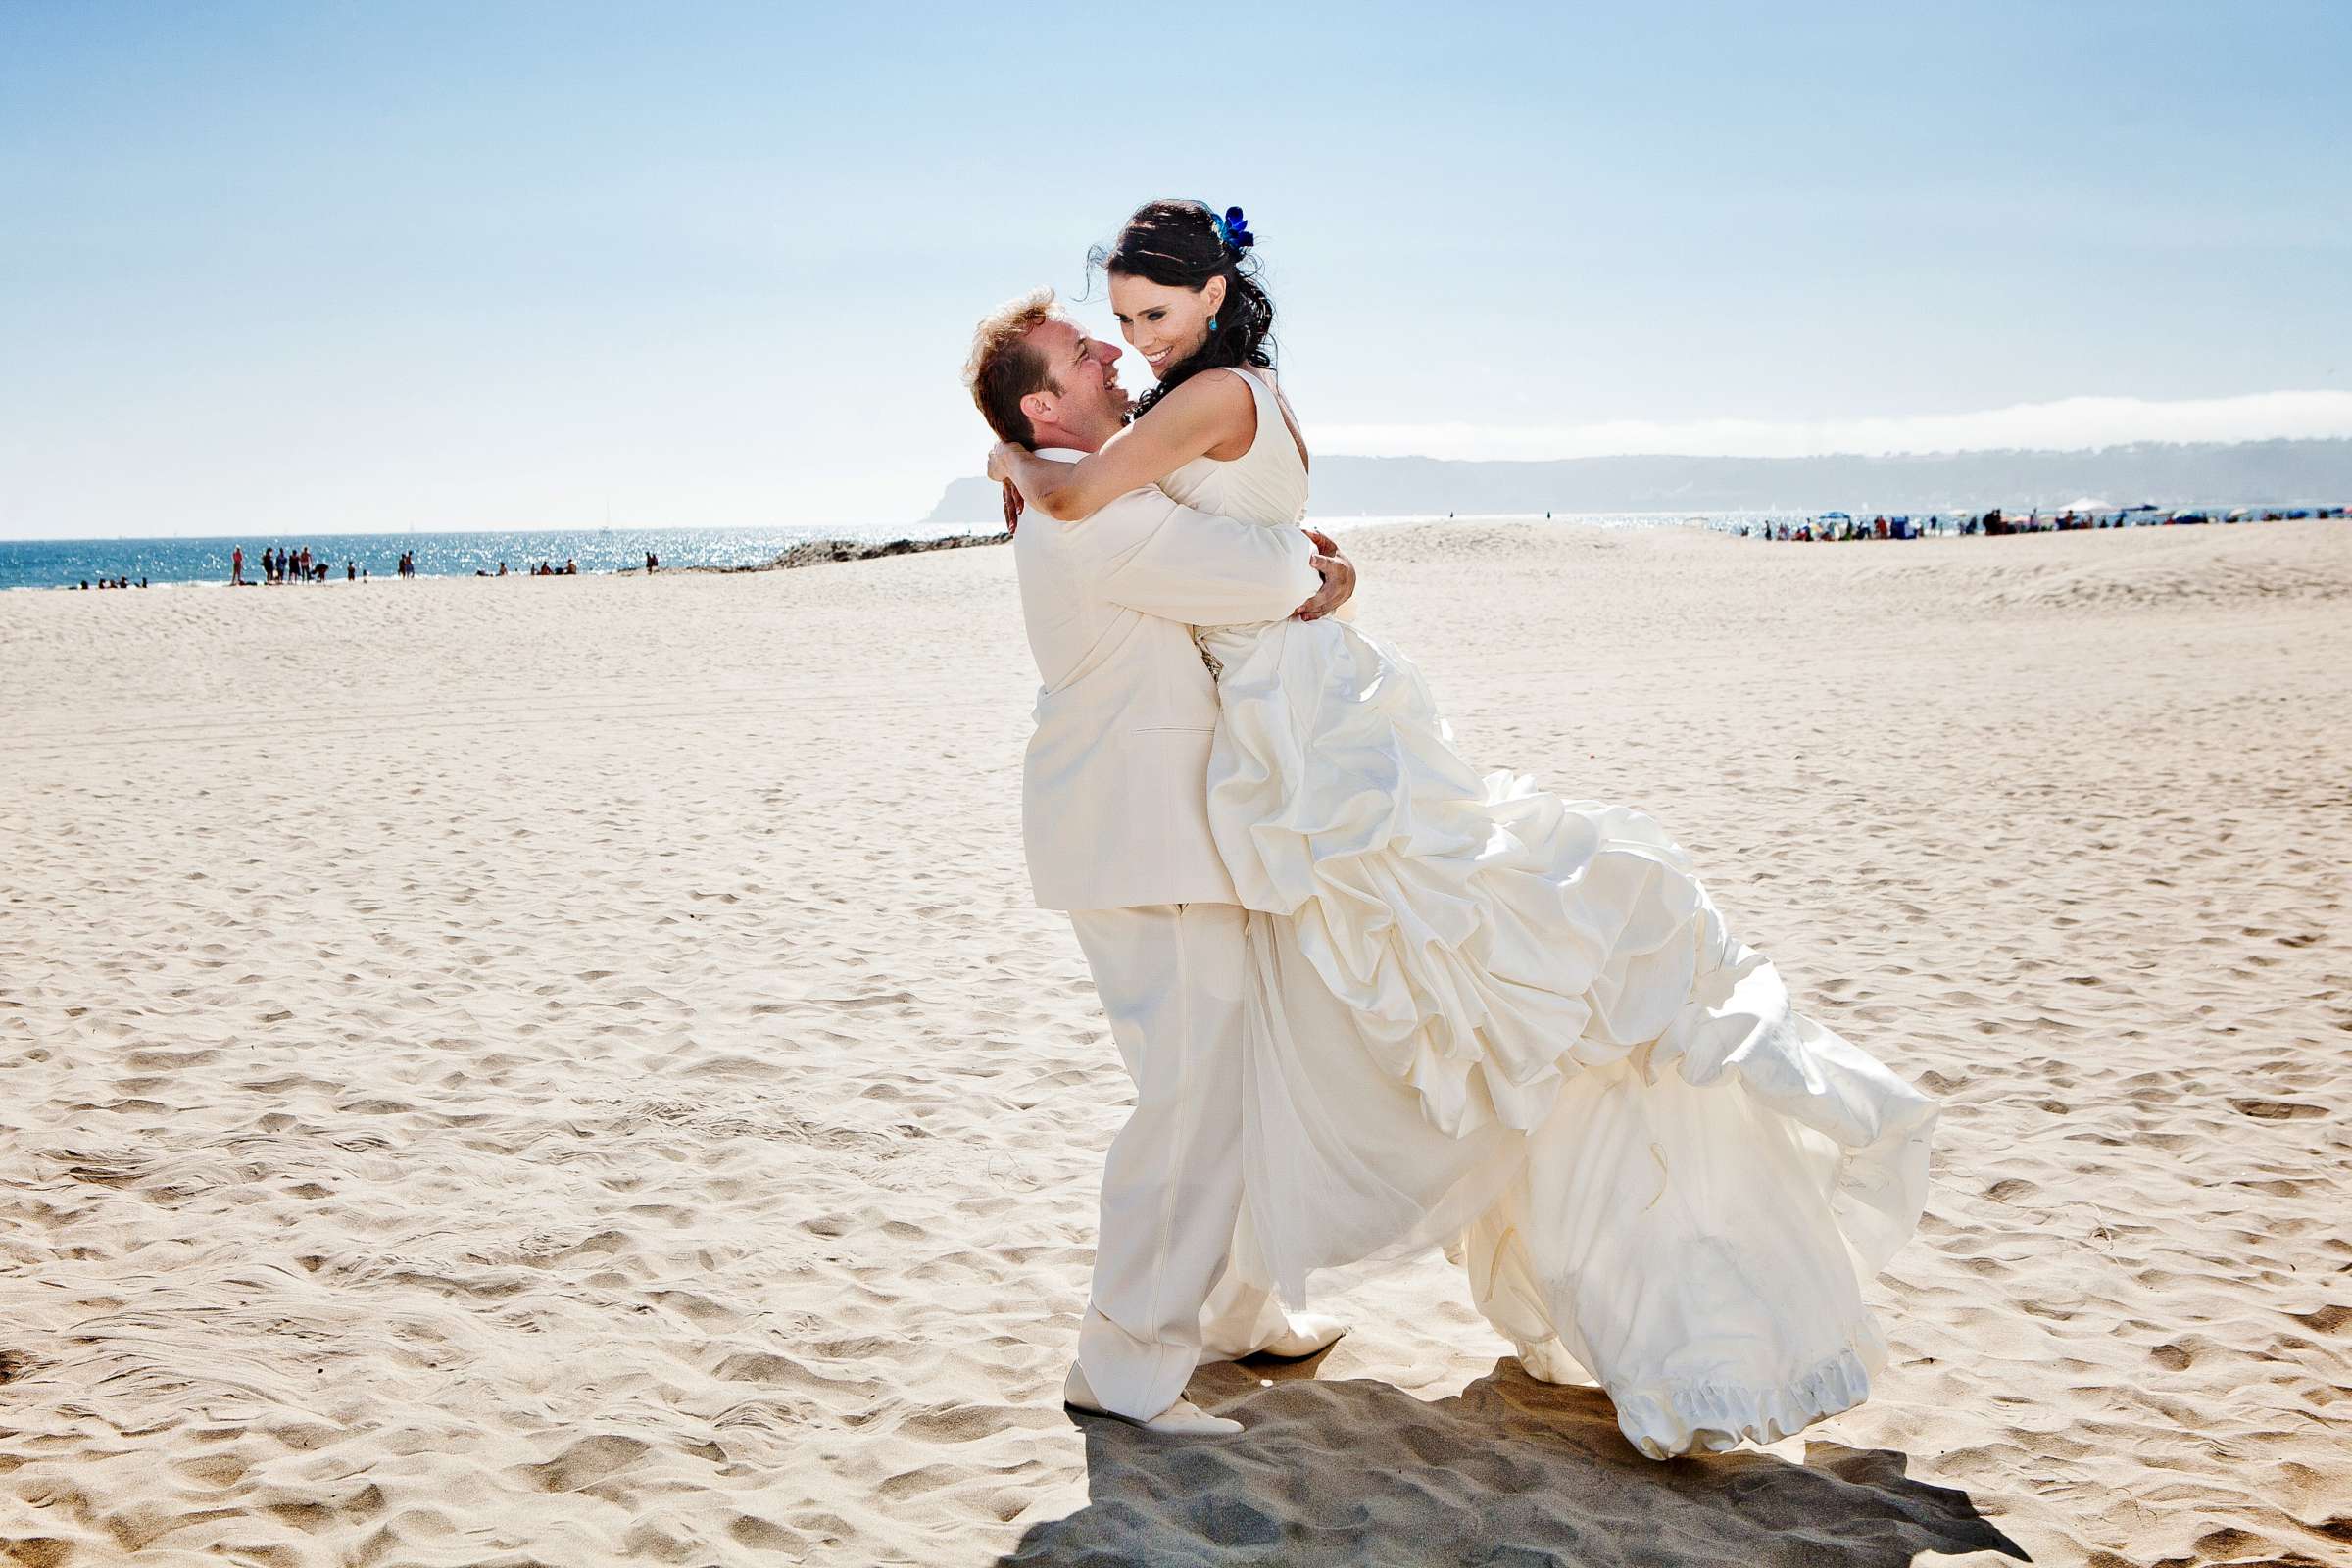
point(1483, 1016)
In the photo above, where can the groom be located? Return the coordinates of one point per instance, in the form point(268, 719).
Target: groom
point(1114, 818)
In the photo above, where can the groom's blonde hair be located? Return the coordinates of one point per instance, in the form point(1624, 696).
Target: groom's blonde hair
point(1003, 369)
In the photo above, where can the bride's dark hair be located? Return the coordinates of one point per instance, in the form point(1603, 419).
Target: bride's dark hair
point(1178, 245)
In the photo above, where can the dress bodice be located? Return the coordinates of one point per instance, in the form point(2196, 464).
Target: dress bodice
point(1265, 484)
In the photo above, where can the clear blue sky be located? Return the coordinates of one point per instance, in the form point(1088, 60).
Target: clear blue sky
point(411, 265)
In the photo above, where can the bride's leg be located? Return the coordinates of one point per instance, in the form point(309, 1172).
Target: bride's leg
point(1241, 1319)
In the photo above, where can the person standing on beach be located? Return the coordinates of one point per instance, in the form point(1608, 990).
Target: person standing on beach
point(1114, 824)
point(236, 567)
point(1482, 1014)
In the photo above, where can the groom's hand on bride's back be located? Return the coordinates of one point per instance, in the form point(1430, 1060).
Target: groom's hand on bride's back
point(1339, 578)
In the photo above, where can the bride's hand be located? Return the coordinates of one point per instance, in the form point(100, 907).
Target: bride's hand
point(1339, 579)
point(1000, 466)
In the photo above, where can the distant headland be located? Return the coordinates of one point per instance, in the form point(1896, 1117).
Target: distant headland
point(2168, 475)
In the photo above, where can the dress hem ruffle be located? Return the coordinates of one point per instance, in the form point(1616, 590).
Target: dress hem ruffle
point(1713, 1417)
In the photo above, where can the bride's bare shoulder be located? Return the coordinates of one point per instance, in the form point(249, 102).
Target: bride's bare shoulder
point(1216, 408)
point(1220, 389)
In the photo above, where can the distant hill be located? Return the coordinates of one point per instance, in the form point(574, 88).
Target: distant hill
point(2211, 473)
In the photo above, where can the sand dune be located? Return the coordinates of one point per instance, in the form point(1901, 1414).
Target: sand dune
point(565, 1071)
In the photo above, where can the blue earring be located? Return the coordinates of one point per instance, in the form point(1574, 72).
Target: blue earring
point(1212, 324)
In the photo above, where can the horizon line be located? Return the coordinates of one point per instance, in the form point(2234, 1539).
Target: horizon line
point(1867, 457)
point(2065, 424)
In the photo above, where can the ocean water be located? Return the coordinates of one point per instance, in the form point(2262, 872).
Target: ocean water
point(67, 563)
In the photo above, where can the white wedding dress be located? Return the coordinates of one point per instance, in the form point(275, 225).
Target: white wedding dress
point(1492, 1019)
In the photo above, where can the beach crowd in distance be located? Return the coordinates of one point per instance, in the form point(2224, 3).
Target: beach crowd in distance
point(277, 568)
point(1840, 526)
point(75, 563)
point(352, 558)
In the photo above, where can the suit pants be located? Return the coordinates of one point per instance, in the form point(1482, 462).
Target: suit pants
point(1171, 979)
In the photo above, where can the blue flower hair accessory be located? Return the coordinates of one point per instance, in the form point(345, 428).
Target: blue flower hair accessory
point(1232, 228)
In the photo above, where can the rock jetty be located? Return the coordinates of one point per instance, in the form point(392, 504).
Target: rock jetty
point(825, 552)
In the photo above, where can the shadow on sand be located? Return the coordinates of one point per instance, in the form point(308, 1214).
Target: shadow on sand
point(1508, 1472)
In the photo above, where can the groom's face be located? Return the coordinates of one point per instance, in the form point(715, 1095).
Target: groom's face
point(1086, 397)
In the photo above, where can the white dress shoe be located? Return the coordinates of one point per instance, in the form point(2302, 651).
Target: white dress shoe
point(1308, 1333)
point(1183, 1419)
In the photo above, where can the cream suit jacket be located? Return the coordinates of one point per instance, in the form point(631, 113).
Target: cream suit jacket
point(1115, 796)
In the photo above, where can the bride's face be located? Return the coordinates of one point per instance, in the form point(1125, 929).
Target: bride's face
point(1165, 324)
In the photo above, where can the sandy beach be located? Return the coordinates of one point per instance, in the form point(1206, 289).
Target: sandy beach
point(567, 1072)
